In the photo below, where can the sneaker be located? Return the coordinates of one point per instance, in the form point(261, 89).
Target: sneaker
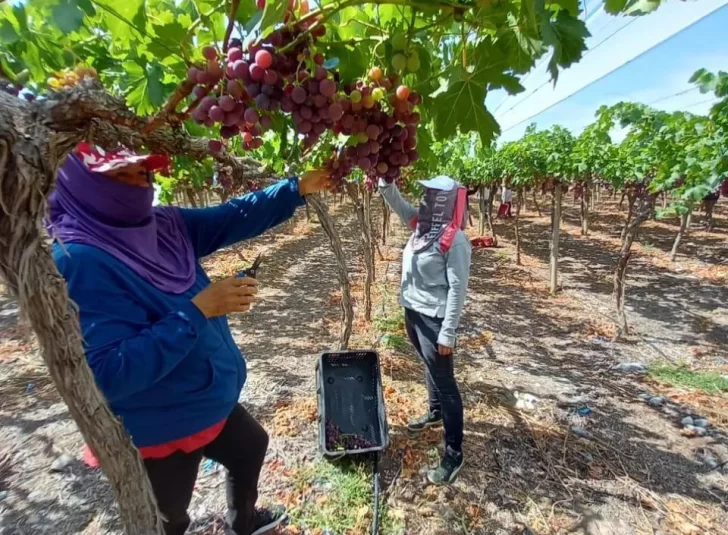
point(448, 470)
point(267, 519)
point(431, 419)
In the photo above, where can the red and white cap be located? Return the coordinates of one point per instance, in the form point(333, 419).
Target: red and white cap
point(100, 161)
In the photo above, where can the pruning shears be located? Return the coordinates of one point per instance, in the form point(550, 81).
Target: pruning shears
point(252, 271)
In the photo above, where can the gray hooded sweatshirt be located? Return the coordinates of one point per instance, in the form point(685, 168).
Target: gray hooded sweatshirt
point(433, 283)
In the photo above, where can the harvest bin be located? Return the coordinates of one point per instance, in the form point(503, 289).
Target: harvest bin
point(349, 391)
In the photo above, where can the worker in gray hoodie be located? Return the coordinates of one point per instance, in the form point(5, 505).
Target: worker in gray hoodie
point(435, 270)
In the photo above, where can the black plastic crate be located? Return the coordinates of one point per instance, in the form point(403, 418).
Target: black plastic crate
point(349, 390)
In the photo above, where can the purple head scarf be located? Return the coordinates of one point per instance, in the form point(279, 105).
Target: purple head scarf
point(93, 209)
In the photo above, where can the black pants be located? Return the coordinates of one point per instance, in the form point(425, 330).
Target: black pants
point(240, 448)
point(442, 388)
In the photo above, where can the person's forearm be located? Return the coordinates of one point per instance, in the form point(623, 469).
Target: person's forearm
point(458, 270)
point(397, 203)
point(136, 363)
point(242, 218)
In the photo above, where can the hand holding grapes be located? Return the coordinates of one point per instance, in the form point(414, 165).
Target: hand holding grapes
point(234, 294)
point(315, 181)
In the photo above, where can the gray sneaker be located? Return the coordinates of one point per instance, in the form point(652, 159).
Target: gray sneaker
point(448, 470)
point(431, 419)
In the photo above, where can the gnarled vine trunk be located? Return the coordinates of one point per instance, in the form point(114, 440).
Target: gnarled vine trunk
point(684, 227)
point(489, 213)
point(519, 201)
point(535, 202)
point(31, 150)
point(481, 210)
point(555, 230)
point(585, 198)
point(644, 211)
point(342, 271)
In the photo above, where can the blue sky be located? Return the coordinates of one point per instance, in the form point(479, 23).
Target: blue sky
point(661, 71)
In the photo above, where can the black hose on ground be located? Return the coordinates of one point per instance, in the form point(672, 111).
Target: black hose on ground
point(375, 520)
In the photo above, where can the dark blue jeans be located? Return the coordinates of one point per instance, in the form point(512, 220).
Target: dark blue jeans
point(442, 388)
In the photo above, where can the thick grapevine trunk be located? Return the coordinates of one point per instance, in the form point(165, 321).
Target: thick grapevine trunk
point(535, 202)
point(385, 221)
point(191, 197)
point(481, 211)
point(519, 201)
point(684, 227)
point(366, 245)
point(370, 230)
point(646, 207)
point(585, 198)
point(555, 228)
point(630, 212)
point(30, 153)
point(347, 308)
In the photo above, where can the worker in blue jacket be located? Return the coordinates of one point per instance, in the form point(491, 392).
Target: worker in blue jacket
point(154, 326)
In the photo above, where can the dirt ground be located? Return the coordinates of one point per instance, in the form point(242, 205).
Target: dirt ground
point(557, 440)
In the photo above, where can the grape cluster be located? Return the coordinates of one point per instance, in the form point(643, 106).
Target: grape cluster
point(282, 73)
point(338, 441)
point(382, 128)
point(68, 78)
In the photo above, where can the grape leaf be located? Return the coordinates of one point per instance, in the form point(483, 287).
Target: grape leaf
point(172, 33)
point(614, 6)
point(572, 6)
point(123, 17)
point(146, 91)
point(567, 36)
point(87, 7)
point(273, 14)
point(67, 16)
point(246, 10)
point(462, 107)
point(8, 35)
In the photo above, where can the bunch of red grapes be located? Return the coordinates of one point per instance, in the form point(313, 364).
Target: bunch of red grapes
point(337, 441)
point(242, 91)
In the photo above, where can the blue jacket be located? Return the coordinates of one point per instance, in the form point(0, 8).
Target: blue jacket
point(166, 370)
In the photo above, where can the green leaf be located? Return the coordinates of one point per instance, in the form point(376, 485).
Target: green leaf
point(172, 33)
point(273, 14)
point(642, 7)
point(352, 62)
point(572, 6)
point(67, 16)
point(614, 6)
point(87, 7)
point(122, 18)
point(247, 10)
point(146, 91)
point(8, 35)
point(567, 36)
point(462, 107)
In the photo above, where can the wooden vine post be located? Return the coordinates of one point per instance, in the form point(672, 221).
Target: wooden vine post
point(481, 210)
point(555, 228)
point(585, 200)
point(519, 201)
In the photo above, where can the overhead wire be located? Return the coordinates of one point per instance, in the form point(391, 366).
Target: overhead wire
point(618, 68)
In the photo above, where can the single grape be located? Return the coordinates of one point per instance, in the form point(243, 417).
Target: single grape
point(253, 90)
point(209, 53)
point(234, 89)
point(262, 101)
point(378, 94)
point(382, 167)
point(399, 62)
point(313, 87)
point(264, 59)
point(257, 72)
point(241, 70)
point(276, 39)
point(305, 127)
point(364, 163)
point(318, 59)
point(355, 97)
point(266, 122)
point(319, 128)
point(399, 41)
point(320, 73)
point(372, 131)
point(299, 95)
point(251, 116)
point(336, 112)
point(362, 150)
point(228, 131)
point(227, 103)
point(199, 115)
point(374, 147)
point(192, 74)
point(247, 137)
point(270, 77)
point(367, 102)
point(234, 54)
point(217, 114)
point(413, 156)
point(200, 91)
point(375, 74)
point(327, 88)
point(413, 62)
point(306, 112)
point(214, 145)
point(403, 92)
